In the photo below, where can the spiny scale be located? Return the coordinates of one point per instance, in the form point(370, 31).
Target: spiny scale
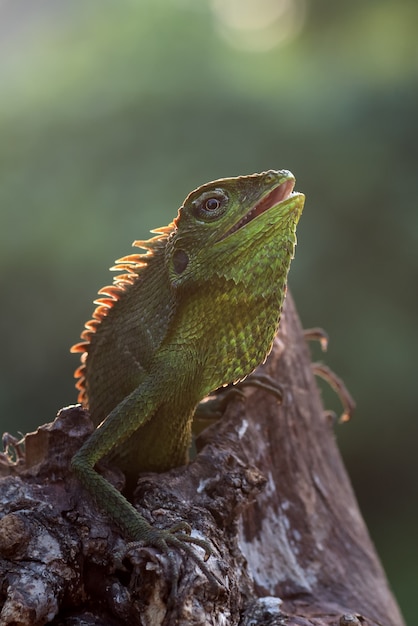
point(133, 264)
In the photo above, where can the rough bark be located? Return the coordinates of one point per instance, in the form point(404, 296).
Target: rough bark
point(267, 488)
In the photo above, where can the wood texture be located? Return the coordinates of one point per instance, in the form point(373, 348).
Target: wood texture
point(268, 488)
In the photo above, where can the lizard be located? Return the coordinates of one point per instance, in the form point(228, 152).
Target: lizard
point(196, 311)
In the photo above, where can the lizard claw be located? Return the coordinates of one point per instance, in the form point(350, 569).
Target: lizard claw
point(182, 526)
point(182, 531)
point(336, 383)
point(317, 334)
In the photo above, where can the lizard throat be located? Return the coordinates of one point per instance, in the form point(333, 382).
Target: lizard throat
point(277, 195)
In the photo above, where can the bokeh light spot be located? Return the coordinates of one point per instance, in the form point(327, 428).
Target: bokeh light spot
point(258, 25)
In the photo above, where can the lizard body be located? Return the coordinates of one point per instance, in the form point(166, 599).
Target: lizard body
point(197, 311)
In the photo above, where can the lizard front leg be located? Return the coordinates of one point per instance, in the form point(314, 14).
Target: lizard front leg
point(129, 416)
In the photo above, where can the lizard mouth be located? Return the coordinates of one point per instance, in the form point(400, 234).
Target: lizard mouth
point(274, 197)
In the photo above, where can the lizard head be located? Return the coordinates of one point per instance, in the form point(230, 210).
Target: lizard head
point(227, 226)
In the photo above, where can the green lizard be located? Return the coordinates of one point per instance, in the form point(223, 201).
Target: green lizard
point(197, 311)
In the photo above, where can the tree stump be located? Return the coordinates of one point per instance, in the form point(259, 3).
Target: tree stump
point(267, 488)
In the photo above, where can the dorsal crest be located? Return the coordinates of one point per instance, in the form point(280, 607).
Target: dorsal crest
point(131, 267)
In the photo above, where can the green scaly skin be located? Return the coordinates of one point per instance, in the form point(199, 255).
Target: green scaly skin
point(197, 311)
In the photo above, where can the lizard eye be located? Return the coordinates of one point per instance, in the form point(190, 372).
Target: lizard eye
point(210, 205)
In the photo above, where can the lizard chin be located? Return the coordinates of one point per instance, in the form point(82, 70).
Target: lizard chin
point(273, 198)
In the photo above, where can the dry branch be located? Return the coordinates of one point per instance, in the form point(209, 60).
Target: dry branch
point(268, 488)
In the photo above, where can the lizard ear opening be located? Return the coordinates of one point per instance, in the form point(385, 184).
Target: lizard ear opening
point(180, 261)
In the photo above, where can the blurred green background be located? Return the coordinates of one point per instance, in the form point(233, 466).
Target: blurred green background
point(112, 111)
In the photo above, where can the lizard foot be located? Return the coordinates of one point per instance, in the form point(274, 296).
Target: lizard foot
point(167, 541)
point(263, 381)
point(214, 406)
